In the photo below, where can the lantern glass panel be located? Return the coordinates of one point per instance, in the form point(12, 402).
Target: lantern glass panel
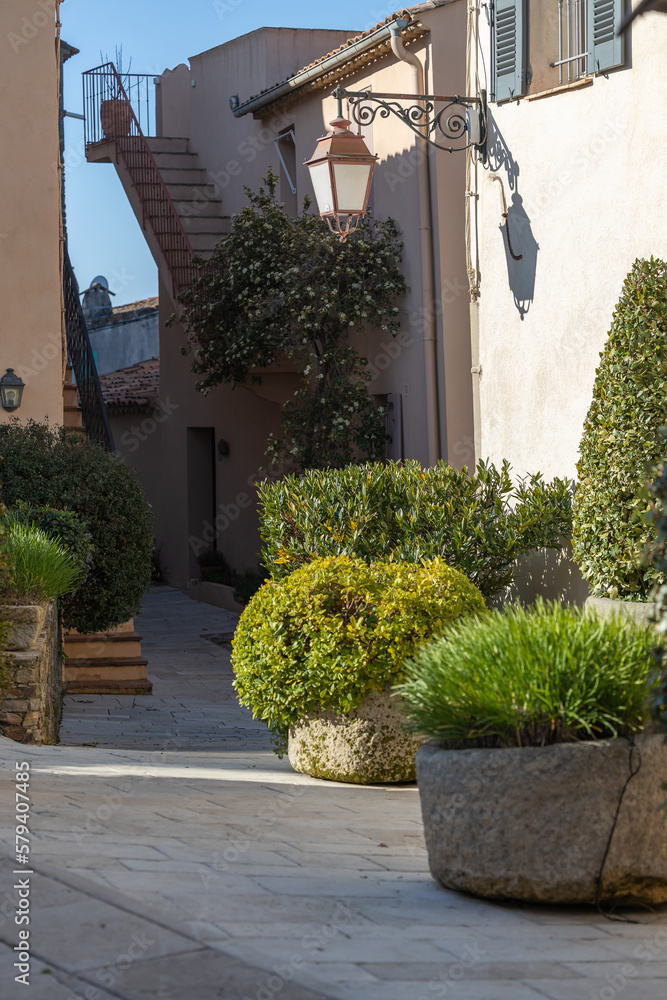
point(320, 175)
point(351, 186)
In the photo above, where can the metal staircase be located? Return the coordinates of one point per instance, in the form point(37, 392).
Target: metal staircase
point(179, 211)
point(83, 404)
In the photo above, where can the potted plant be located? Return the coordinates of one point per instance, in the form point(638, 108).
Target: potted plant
point(537, 784)
point(40, 571)
point(621, 434)
point(316, 655)
point(116, 110)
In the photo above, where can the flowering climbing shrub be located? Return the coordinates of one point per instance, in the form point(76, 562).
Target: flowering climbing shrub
point(282, 286)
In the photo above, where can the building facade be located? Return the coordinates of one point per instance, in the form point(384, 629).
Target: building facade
point(206, 453)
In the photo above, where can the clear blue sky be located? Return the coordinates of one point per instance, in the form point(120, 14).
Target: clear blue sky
point(104, 236)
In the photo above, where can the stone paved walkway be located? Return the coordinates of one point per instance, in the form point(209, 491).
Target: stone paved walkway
point(177, 858)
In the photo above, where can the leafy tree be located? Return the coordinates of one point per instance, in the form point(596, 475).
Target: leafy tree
point(282, 286)
point(622, 434)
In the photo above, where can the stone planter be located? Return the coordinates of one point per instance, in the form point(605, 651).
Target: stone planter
point(533, 823)
point(27, 621)
point(639, 611)
point(365, 746)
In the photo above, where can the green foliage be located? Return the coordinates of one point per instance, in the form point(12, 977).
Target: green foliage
point(479, 524)
point(6, 659)
point(337, 629)
point(54, 468)
point(529, 678)
point(280, 287)
point(656, 556)
point(64, 526)
point(40, 568)
point(621, 434)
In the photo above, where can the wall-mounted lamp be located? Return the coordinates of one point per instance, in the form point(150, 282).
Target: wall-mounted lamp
point(223, 449)
point(341, 169)
point(11, 390)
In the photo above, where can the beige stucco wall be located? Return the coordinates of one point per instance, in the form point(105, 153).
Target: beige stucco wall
point(30, 318)
point(588, 170)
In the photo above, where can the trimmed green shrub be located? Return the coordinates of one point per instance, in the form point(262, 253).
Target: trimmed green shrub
point(40, 568)
point(479, 524)
point(621, 434)
point(52, 467)
point(63, 526)
point(656, 555)
point(337, 629)
point(529, 678)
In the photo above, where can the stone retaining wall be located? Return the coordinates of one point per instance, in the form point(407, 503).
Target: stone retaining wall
point(31, 709)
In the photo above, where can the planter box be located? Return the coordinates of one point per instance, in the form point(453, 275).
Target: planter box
point(26, 621)
point(364, 746)
point(31, 709)
point(533, 823)
point(217, 594)
point(638, 611)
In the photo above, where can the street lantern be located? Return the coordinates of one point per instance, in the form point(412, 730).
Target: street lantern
point(11, 390)
point(341, 170)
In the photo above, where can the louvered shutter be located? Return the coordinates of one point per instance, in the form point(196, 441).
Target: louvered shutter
point(509, 49)
point(605, 47)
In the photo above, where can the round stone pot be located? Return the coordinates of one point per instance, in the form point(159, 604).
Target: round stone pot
point(26, 621)
point(533, 823)
point(366, 746)
point(638, 611)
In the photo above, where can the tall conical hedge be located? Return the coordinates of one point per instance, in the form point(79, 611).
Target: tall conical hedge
point(621, 435)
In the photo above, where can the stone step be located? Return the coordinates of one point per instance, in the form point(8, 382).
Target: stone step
point(204, 241)
point(206, 224)
point(168, 144)
point(193, 192)
point(195, 208)
point(184, 175)
point(166, 161)
point(100, 676)
point(102, 644)
point(72, 417)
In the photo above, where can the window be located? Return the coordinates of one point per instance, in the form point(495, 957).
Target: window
point(286, 148)
point(541, 44)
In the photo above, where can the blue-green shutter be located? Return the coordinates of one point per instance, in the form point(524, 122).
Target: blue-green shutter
point(605, 47)
point(509, 49)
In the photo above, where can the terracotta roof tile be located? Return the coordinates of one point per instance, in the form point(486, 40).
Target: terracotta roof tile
point(415, 9)
point(133, 388)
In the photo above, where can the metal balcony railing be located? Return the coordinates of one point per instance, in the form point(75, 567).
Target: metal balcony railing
point(82, 360)
point(115, 114)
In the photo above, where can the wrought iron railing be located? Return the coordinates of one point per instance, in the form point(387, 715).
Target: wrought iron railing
point(82, 360)
point(113, 116)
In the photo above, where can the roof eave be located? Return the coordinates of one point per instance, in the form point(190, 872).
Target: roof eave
point(336, 61)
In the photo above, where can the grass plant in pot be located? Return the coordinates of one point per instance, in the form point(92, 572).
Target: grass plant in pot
point(316, 656)
point(538, 783)
point(621, 434)
point(41, 570)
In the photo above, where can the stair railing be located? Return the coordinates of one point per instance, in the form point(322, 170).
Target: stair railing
point(110, 116)
point(82, 360)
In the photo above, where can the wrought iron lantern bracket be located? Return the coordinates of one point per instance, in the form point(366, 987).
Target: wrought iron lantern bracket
point(459, 124)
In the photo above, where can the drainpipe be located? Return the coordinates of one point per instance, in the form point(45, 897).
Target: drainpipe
point(426, 250)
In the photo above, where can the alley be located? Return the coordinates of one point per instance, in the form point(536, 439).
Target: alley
point(175, 856)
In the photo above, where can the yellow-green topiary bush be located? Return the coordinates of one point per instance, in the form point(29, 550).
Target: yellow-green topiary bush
point(339, 628)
